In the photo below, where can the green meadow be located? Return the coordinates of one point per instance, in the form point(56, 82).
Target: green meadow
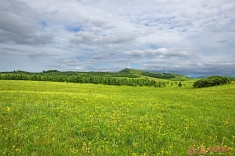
point(39, 118)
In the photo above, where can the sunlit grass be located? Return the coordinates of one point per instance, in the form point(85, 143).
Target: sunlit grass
point(48, 118)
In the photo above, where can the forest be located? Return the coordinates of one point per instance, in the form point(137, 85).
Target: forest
point(125, 77)
point(106, 78)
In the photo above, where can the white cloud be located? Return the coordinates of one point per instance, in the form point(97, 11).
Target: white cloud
point(91, 35)
point(161, 53)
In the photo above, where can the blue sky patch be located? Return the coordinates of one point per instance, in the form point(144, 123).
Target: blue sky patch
point(72, 28)
point(43, 24)
point(153, 46)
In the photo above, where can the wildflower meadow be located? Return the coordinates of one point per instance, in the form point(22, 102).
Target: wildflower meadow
point(39, 118)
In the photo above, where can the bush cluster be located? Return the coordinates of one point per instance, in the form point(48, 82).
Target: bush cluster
point(211, 81)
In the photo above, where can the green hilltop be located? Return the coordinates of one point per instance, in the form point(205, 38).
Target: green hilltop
point(146, 74)
point(131, 71)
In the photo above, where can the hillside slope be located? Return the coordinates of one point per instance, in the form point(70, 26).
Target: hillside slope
point(146, 74)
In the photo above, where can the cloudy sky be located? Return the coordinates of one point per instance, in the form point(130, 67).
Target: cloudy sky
point(189, 37)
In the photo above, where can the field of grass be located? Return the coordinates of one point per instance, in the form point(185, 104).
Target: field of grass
point(50, 118)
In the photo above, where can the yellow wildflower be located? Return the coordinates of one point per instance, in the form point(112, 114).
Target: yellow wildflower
point(8, 109)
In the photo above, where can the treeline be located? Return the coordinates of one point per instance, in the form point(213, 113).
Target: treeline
point(159, 75)
point(81, 78)
point(211, 81)
point(232, 78)
point(109, 74)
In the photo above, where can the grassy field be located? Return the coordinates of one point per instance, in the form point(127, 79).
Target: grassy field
point(49, 118)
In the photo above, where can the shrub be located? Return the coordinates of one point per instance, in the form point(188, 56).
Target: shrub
point(211, 81)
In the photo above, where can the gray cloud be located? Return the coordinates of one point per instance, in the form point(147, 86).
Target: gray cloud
point(99, 57)
point(39, 55)
point(16, 26)
point(222, 41)
point(191, 37)
point(91, 38)
point(98, 23)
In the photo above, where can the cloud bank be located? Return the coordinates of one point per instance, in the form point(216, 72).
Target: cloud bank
point(190, 37)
